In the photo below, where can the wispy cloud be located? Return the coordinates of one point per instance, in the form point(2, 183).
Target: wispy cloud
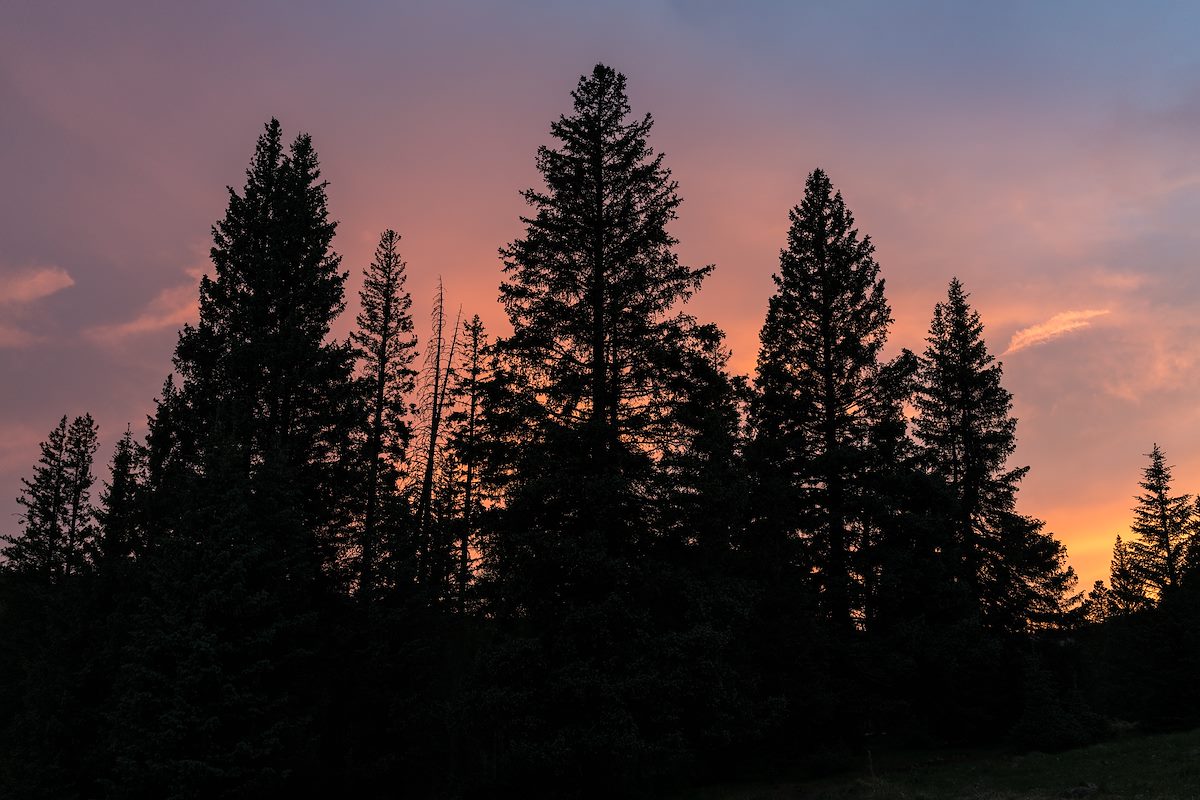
point(170, 308)
point(1059, 325)
point(18, 289)
point(24, 286)
point(13, 337)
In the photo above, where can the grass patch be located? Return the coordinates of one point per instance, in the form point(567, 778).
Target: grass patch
point(1160, 766)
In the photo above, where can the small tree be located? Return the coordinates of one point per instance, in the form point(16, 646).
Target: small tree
point(1098, 605)
point(122, 529)
point(1165, 524)
point(1126, 592)
point(466, 423)
point(58, 521)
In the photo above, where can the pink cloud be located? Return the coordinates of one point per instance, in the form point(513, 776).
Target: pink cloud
point(170, 308)
point(1058, 325)
point(13, 337)
point(25, 286)
point(21, 287)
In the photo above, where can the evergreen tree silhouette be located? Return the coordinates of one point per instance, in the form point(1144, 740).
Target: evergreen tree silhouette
point(586, 416)
point(386, 343)
point(821, 391)
point(1127, 592)
point(122, 523)
point(247, 467)
point(467, 430)
point(1098, 606)
point(58, 520)
point(51, 674)
point(259, 376)
point(591, 291)
point(1165, 524)
point(1014, 571)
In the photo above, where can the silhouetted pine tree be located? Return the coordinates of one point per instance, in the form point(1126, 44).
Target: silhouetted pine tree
point(1015, 572)
point(252, 451)
point(465, 440)
point(1097, 607)
point(590, 293)
point(821, 392)
point(386, 343)
point(1165, 524)
point(58, 520)
point(587, 405)
point(122, 516)
point(50, 625)
point(1127, 593)
point(259, 375)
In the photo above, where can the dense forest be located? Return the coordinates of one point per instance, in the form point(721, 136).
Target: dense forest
point(578, 559)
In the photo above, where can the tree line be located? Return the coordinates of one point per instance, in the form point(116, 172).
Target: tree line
point(583, 558)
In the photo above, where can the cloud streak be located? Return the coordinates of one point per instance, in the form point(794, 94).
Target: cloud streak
point(19, 288)
point(170, 308)
point(1059, 325)
point(12, 337)
point(25, 286)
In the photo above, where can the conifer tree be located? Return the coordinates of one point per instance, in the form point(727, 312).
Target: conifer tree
point(264, 388)
point(1126, 591)
point(58, 525)
point(1098, 606)
point(386, 343)
point(122, 528)
point(591, 287)
point(52, 662)
point(821, 391)
point(1165, 524)
point(1012, 569)
point(465, 441)
point(701, 486)
point(584, 413)
point(587, 383)
point(249, 472)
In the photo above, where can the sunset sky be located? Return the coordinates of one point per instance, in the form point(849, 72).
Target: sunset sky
point(1048, 154)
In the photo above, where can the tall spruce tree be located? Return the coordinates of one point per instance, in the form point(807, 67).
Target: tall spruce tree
point(248, 469)
point(1165, 524)
point(591, 287)
point(586, 407)
point(266, 391)
point(58, 520)
point(1013, 571)
point(591, 292)
point(821, 392)
point(386, 343)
